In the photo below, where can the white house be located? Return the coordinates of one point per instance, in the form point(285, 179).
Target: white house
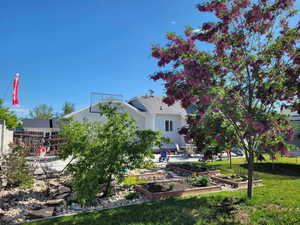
point(294, 117)
point(150, 112)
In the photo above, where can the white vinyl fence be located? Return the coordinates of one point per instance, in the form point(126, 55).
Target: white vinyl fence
point(6, 137)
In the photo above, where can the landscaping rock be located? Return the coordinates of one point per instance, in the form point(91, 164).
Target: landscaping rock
point(42, 213)
point(75, 206)
point(53, 192)
point(5, 199)
point(4, 182)
point(62, 196)
point(71, 197)
point(55, 201)
point(59, 209)
point(54, 183)
point(63, 189)
point(36, 206)
point(4, 206)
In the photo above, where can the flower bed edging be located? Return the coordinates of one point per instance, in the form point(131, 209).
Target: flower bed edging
point(87, 210)
point(242, 184)
point(210, 172)
point(170, 194)
point(145, 174)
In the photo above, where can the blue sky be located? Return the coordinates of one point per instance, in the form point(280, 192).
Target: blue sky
point(65, 49)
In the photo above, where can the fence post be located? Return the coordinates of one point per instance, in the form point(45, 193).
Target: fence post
point(2, 123)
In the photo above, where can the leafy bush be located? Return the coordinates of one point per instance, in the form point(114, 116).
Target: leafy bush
point(199, 181)
point(16, 170)
point(172, 186)
point(148, 164)
point(132, 195)
point(104, 150)
point(243, 175)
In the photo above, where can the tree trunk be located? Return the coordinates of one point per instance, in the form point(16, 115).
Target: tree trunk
point(250, 174)
point(107, 188)
point(230, 161)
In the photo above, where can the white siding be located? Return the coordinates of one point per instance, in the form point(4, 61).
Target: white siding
point(177, 125)
point(140, 120)
point(86, 114)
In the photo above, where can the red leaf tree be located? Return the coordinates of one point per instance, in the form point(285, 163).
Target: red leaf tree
point(252, 71)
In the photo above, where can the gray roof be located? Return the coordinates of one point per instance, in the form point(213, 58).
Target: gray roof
point(155, 104)
point(37, 123)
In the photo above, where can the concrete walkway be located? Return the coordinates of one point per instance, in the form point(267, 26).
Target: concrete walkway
point(53, 164)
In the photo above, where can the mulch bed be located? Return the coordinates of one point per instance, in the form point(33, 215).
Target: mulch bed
point(193, 169)
point(169, 189)
point(235, 182)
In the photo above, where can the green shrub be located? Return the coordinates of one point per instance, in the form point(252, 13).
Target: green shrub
point(199, 181)
point(148, 164)
point(132, 195)
point(16, 170)
point(172, 186)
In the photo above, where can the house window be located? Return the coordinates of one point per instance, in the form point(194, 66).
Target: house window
point(168, 125)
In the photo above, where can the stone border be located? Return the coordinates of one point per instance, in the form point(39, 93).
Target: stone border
point(234, 184)
point(170, 194)
point(175, 167)
point(86, 210)
point(145, 174)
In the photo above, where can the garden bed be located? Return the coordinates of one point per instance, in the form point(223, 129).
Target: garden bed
point(235, 183)
point(144, 173)
point(18, 205)
point(149, 175)
point(193, 169)
point(169, 189)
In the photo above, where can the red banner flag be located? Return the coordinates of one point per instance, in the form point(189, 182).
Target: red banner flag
point(15, 96)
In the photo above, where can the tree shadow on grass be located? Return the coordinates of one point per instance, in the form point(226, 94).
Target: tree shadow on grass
point(283, 169)
point(186, 211)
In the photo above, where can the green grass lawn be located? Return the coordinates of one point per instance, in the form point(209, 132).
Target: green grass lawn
point(277, 202)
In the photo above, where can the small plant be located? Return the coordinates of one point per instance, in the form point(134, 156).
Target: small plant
point(16, 170)
point(199, 181)
point(132, 195)
point(129, 181)
point(202, 167)
point(205, 167)
point(148, 164)
point(240, 173)
point(171, 186)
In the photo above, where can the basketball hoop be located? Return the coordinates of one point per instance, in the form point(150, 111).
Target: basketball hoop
point(97, 98)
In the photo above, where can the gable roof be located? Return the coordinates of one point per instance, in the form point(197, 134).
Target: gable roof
point(37, 123)
point(155, 104)
point(94, 106)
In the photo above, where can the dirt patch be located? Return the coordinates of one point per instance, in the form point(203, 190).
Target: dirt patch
point(241, 216)
point(194, 167)
point(274, 207)
point(166, 186)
